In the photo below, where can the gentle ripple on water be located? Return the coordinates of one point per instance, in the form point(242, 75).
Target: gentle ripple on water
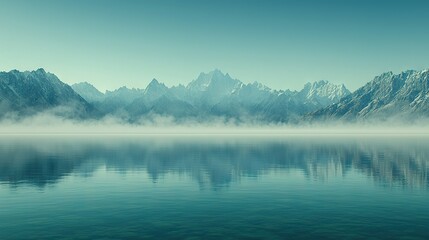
point(161, 187)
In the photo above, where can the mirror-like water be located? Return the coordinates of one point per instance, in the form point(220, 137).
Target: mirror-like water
point(229, 187)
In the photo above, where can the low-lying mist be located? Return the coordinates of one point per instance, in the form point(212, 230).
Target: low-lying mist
point(50, 123)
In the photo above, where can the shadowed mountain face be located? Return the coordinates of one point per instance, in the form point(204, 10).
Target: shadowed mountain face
point(214, 94)
point(27, 93)
point(215, 163)
point(404, 95)
point(88, 92)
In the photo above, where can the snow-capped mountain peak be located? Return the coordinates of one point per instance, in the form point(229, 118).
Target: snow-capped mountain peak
point(213, 79)
point(387, 95)
point(324, 91)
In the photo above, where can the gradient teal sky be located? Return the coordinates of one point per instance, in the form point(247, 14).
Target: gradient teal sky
point(282, 44)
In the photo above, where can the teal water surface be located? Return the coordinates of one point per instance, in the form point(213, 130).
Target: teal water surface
point(216, 187)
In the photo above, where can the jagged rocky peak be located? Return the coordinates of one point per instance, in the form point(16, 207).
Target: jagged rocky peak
point(386, 85)
point(181, 86)
point(155, 90)
point(88, 91)
point(212, 79)
point(121, 89)
point(252, 90)
point(412, 75)
point(260, 86)
point(125, 91)
point(403, 95)
point(155, 87)
point(41, 71)
point(214, 74)
point(323, 88)
point(390, 83)
point(154, 84)
point(85, 86)
point(399, 81)
point(124, 94)
point(30, 92)
point(387, 76)
point(39, 75)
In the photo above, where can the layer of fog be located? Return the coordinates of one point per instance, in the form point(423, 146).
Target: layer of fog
point(48, 123)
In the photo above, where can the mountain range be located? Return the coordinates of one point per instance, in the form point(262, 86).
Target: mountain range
point(404, 95)
point(215, 94)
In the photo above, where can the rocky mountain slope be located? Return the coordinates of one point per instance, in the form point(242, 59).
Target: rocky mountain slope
point(404, 95)
point(28, 93)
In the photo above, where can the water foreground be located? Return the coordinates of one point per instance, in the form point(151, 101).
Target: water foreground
point(224, 186)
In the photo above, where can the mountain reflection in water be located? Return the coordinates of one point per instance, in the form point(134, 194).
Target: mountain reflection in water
point(214, 162)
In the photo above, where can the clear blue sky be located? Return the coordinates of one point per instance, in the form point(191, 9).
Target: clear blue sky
point(282, 44)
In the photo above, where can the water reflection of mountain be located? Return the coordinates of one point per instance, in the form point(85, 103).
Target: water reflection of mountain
point(215, 163)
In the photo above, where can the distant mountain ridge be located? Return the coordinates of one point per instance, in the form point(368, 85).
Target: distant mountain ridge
point(215, 94)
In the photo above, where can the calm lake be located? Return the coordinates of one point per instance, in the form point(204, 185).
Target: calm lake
point(214, 187)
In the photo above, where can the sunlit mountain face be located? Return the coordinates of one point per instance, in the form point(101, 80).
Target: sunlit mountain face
point(389, 95)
